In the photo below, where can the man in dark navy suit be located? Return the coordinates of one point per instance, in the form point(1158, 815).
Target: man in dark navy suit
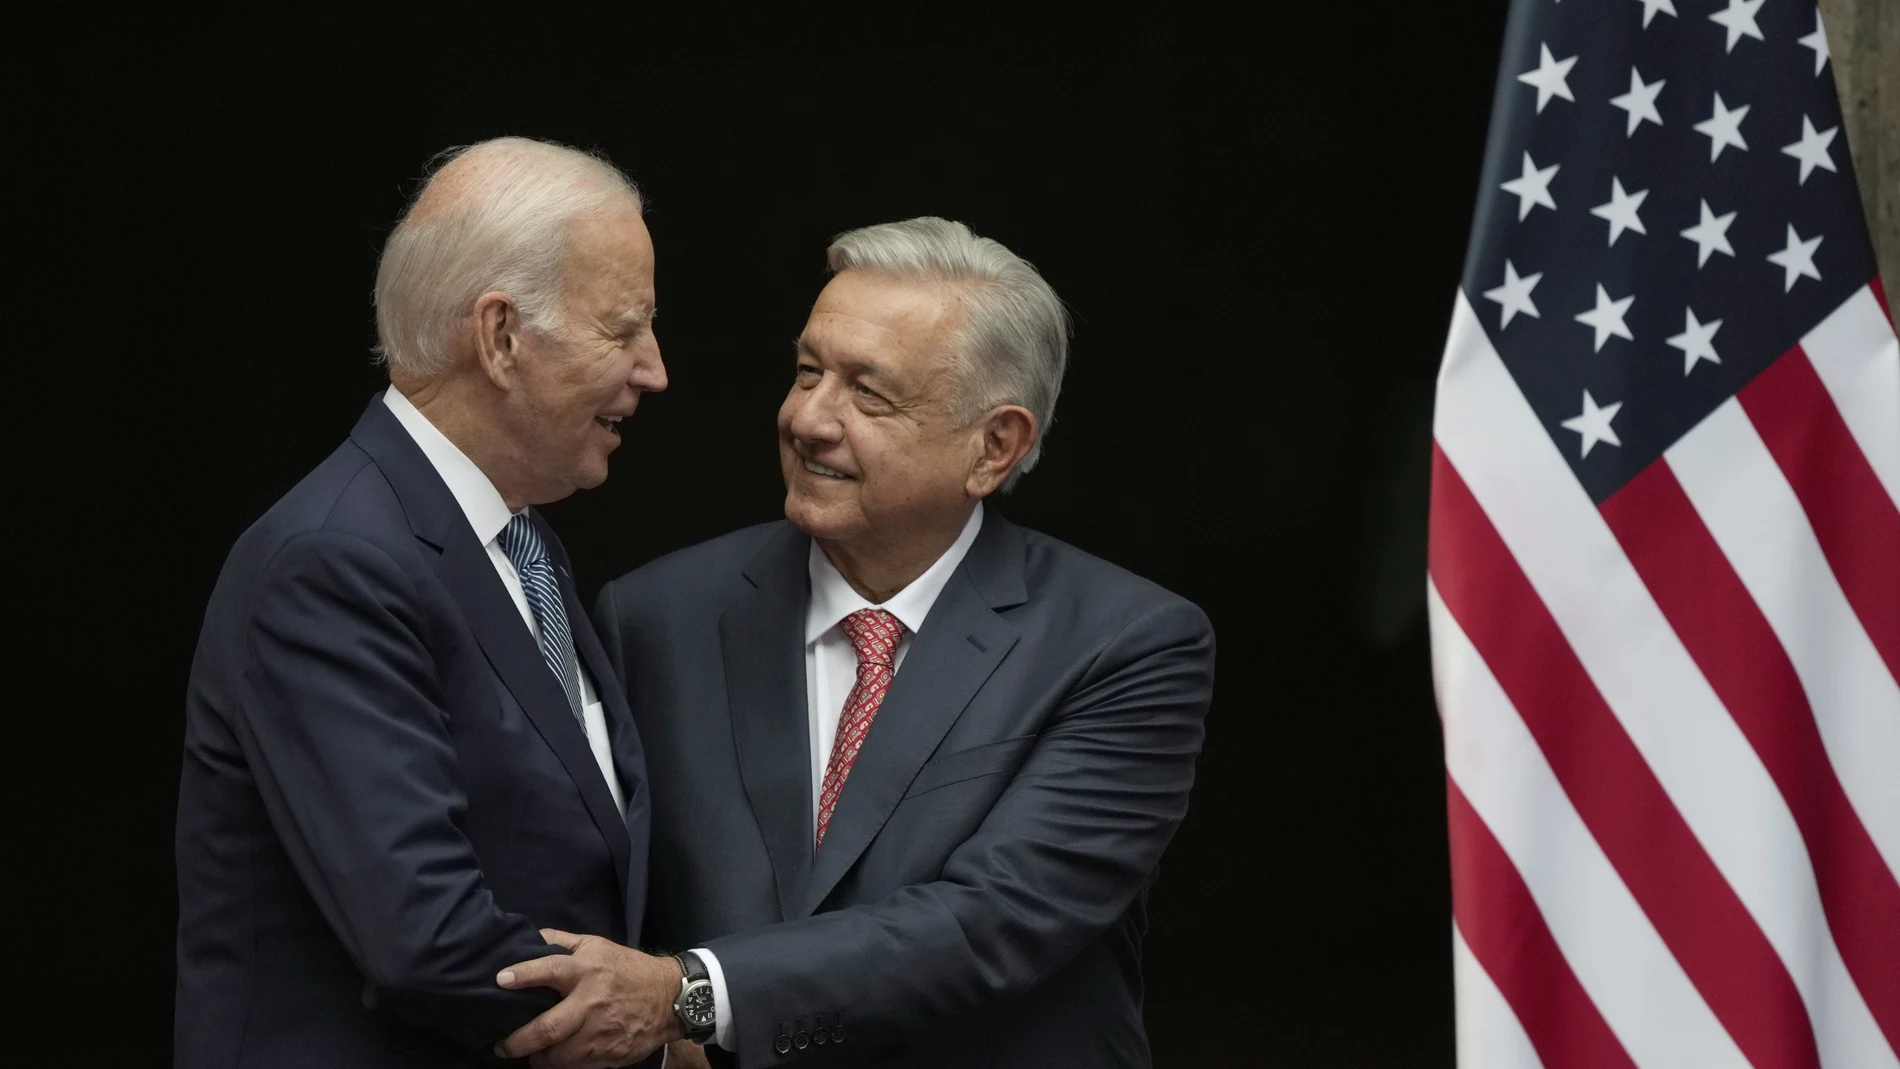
point(913, 766)
point(405, 751)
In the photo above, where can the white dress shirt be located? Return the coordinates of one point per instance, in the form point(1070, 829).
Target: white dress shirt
point(487, 513)
point(831, 670)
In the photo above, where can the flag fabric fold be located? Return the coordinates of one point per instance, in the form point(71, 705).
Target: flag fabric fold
point(1665, 557)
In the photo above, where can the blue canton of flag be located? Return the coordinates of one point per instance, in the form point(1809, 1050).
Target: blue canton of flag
point(1665, 558)
point(1667, 207)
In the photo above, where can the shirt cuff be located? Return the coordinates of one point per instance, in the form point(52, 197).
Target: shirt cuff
point(722, 1007)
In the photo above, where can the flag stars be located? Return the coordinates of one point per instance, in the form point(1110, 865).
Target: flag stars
point(1621, 210)
point(1532, 187)
point(1607, 318)
point(1797, 260)
point(1697, 341)
point(1550, 77)
point(1811, 150)
point(1594, 423)
point(1723, 128)
point(1515, 294)
point(1650, 7)
point(1818, 42)
point(1640, 102)
point(1711, 235)
point(1739, 20)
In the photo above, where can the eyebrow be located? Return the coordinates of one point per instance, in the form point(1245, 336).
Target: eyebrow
point(865, 368)
point(628, 320)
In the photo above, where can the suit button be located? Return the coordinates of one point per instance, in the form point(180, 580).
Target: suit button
point(801, 1039)
point(783, 1044)
point(821, 1035)
point(837, 1032)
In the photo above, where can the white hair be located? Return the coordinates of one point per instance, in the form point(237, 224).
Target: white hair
point(500, 222)
point(1013, 345)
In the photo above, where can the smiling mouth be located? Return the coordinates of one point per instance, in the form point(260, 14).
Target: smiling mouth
point(819, 469)
point(611, 423)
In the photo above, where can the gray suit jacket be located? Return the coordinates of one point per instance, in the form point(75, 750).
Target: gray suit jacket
point(980, 897)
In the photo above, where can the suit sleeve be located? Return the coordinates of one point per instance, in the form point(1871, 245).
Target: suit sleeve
point(1059, 858)
point(343, 724)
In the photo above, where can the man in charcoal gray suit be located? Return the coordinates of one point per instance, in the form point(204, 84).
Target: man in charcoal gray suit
point(913, 766)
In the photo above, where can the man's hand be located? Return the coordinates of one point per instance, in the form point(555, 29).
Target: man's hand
point(616, 1006)
point(686, 1054)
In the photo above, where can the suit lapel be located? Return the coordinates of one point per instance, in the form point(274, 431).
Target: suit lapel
point(629, 761)
point(960, 644)
point(490, 613)
point(623, 739)
point(762, 640)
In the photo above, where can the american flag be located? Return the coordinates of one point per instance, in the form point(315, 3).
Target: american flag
point(1665, 557)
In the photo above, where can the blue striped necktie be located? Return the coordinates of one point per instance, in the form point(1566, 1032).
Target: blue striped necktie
point(523, 545)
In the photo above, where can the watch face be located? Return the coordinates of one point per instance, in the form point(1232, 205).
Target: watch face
point(697, 1005)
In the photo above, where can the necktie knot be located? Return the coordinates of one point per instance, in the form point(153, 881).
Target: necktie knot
point(874, 633)
point(522, 543)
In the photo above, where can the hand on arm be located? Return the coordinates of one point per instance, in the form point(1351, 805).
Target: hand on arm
point(617, 1005)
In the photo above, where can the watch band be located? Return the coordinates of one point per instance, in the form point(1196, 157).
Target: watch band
point(696, 983)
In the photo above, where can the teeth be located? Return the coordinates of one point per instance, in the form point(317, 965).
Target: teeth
point(819, 469)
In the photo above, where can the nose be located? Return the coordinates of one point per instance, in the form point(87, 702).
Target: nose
point(814, 413)
point(649, 371)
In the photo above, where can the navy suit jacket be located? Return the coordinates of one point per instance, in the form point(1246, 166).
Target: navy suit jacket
point(384, 793)
point(980, 898)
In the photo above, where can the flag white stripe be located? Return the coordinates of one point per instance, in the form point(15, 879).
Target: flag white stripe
point(1567, 551)
point(1746, 503)
point(1489, 1035)
point(1612, 948)
point(1857, 358)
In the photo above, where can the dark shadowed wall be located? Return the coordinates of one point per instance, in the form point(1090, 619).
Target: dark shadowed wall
point(1258, 220)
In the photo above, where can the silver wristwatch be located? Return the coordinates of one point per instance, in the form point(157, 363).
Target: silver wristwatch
point(695, 1004)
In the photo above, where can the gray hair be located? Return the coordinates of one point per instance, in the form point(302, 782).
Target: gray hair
point(1013, 346)
point(493, 216)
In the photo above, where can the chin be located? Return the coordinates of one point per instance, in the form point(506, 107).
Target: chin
point(591, 476)
point(816, 520)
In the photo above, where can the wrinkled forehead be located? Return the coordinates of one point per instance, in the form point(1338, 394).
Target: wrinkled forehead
point(897, 323)
point(610, 256)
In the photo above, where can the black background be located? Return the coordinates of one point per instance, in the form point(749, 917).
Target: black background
point(1257, 219)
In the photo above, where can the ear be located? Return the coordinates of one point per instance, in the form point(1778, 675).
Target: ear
point(1008, 432)
point(498, 338)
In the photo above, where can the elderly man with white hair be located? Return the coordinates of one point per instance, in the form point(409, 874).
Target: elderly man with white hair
point(913, 767)
point(405, 750)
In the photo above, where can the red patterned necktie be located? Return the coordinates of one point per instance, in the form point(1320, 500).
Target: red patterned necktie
point(875, 634)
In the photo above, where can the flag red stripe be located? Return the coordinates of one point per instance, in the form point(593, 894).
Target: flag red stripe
point(1855, 521)
point(1725, 632)
point(1697, 914)
point(1508, 936)
point(1880, 294)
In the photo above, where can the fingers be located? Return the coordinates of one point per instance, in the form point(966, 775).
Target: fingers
point(543, 1032)
point(560, 938)
point(558, 971)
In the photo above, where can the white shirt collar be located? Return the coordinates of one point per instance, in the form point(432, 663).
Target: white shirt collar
point(832, 598)
point(487, 513)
